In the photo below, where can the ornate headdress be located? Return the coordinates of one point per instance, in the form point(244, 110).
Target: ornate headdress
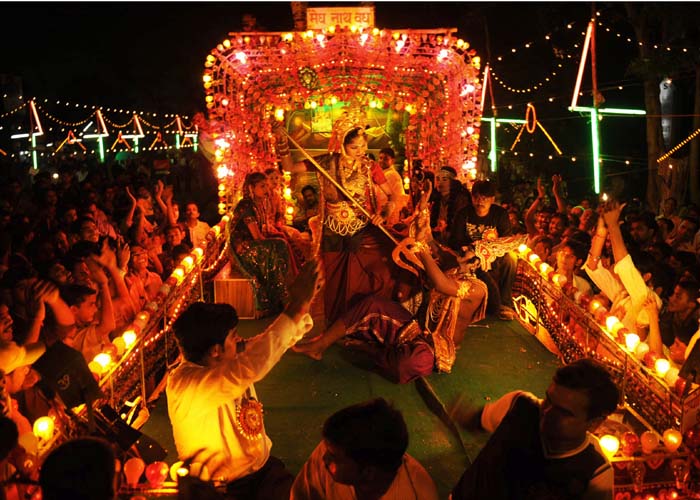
point(352, 117)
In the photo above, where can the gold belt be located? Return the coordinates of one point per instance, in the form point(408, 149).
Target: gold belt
point(342, 219)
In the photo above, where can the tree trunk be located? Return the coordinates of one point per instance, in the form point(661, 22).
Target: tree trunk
point(640, 21)
point(694, 158)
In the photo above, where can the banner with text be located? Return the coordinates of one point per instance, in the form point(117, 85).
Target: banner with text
point(318, 18)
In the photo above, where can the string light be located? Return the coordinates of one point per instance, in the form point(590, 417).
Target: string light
point(529, 88)
point(678, 146)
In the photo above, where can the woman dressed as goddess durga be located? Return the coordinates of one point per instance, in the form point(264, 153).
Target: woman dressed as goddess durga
point(356, 254)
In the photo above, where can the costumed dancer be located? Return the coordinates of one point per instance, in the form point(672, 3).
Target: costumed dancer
point(356, 254)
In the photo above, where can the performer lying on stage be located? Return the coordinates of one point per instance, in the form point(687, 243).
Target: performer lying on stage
point(402, 347)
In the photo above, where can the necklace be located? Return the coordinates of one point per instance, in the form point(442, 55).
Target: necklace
point(347, 168)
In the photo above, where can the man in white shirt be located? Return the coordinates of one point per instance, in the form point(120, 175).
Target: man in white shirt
point(196, 229)
point(544, 448)
point(212, 403)
point(363, 455)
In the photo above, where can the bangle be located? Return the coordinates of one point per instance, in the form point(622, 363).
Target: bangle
point(593, 257)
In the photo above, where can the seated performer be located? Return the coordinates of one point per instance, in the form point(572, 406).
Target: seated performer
point(399, 345)
point(363, 455)
point(268, 260)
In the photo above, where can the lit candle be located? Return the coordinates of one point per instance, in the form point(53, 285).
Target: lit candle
point(672, 440)
point(632, 340)
point(610, 444)
point(662, 366)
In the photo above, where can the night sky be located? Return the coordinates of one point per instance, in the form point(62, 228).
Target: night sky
point(149, 56)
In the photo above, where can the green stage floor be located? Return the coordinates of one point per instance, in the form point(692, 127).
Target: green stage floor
point(299, 393)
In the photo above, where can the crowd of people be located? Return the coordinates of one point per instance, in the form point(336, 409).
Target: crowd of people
point(83, 252)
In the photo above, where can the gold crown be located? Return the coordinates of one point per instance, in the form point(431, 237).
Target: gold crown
point(352, 117)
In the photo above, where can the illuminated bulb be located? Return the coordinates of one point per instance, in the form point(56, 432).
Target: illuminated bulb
point(544, 267)
point(120, 345)
point(129, 337)
point(198, 252)
point(188, 262)
point(671, 376)
point(662, 366)
point(290, 210)
point(43, 428)
point(287, 193)
point(560, 279)
point(610, 444)
point(672, 440)
point(103, 359)
point(534, 258)
point(594, 306)
point(649, 442)
point(523, 248)
point(179, 274)
point(641, 350)
point(611, 321)
point(279, 114)
point(133, 468)
point(632, 341)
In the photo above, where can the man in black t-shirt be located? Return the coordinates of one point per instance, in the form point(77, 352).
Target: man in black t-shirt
point(485, 220)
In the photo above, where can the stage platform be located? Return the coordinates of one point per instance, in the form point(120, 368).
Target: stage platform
point(495, 357)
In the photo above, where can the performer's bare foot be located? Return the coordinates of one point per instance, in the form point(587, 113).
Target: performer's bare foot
point(312, 348)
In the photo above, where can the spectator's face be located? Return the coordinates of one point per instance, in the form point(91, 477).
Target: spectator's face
point(556, 226)
point(310, 198)
point(88, 232)
point(679, 301)
point(51, 197)
point(442, 183)
point(176, 211)
point(342, 468)
point(669, 207)
point(686, 230)
point(70, 216)
point(81, 272)
point(260, 190)
point(542, 221)
point(139, 258)
point(640, 232)
point(192, 212)
point(566, 260)
point(586, 219)
point(385, 161)
point(85, 312)
point(59, 274)
point(564, 415)
point(274, 179)
point(482, 204)
point(514, 222)
point(5, 323)
point(174, 237)
point(544, 251)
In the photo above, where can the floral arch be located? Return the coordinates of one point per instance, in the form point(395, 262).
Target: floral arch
point(424, 82)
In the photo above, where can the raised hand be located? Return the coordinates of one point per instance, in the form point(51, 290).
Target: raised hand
point(131, 196)
point(96, 272)
point(556, 184)
point(303, 289)
point(540, 189)
point(612, 212)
